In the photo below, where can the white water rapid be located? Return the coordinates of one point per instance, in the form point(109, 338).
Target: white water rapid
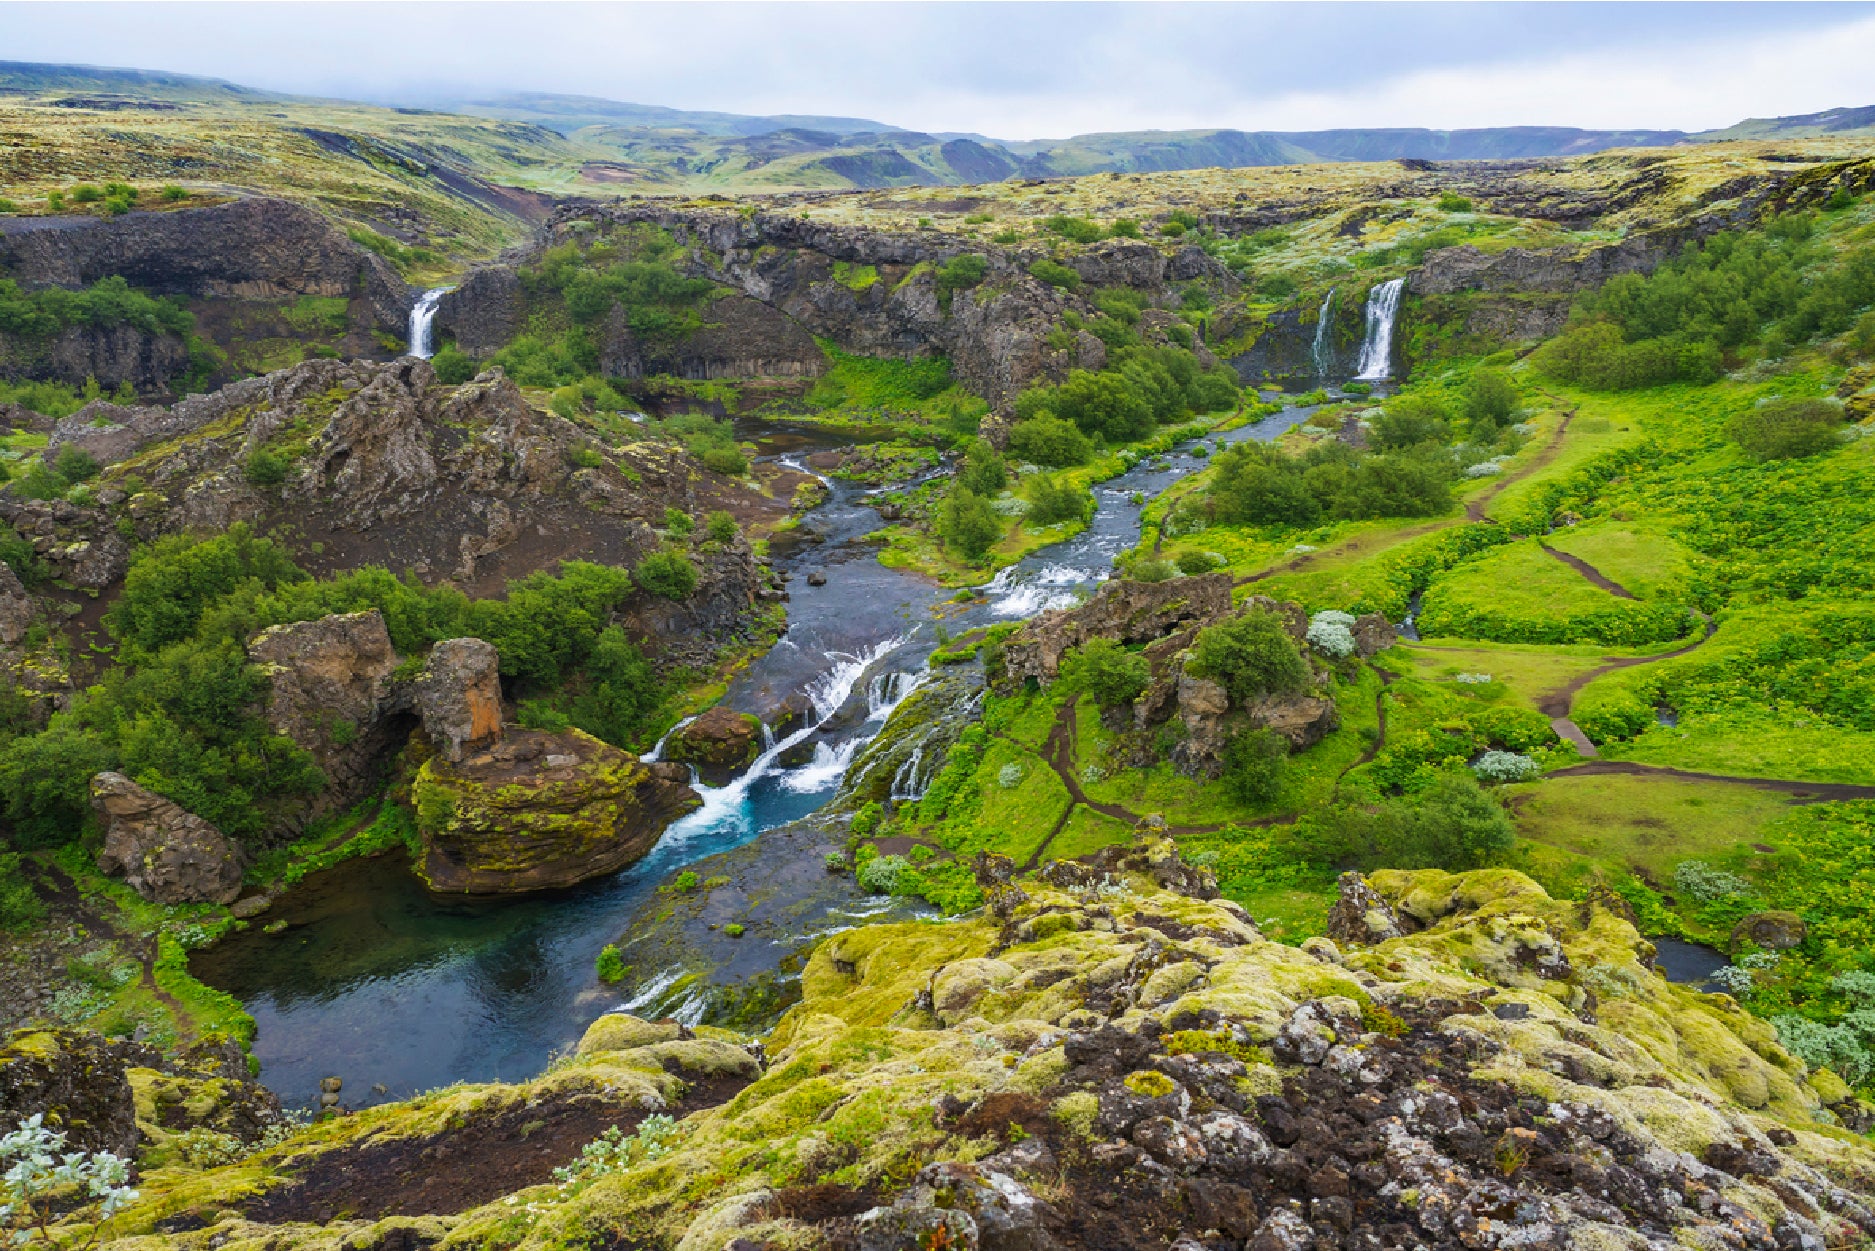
point(422, 313)
point(1383, 306)
point(728, 805)
point(1322, 353)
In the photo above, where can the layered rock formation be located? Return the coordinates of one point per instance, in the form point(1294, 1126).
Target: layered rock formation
point(537, 811)
point(381, 464)
point(165, 854)
point(256, 248)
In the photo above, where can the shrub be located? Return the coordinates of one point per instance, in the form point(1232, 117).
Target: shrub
point(172, 193)
point(453, 366)
point(1009, 776)
point(1787, 429)
point(960, 273)
point(1047, 440)
point(734, 929)
point(1106, 672)
point(1490, 401)
point(1193, 563)
point(1453, 825)
point(1152, 571)
point(881, 875)
point(1504, 766)
point(1051, 502)
point(725, 460)
point(85, 193)
point(266, 467)
point(1253, 764)
point(1452, 202)
point(721, 527)
point(1707, 884)
point(1409, 420)
point(967, 524)
point(677, 522)
point(1074, 229)
point(983, 470)
point(610, 965)
point(20, 908)
point(171, 583)
point(74, 464)
point(1056, 274)
point(1331, 633)
point(668, 575)
point(1252, 656)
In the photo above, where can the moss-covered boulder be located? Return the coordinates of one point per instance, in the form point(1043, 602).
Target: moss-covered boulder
point(719, 743)
point(540, 811)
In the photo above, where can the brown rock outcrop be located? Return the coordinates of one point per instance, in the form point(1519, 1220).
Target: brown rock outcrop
point(540, 811)
point(329, 678)
point(459, 697)
point(165, 854)
point(719, 740)
point(1123, 610)
point(1373, 634)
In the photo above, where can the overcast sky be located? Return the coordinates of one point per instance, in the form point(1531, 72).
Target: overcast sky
point(1019, 71)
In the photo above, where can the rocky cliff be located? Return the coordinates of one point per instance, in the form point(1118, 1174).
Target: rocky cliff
point(254, 248)
point(379, 464)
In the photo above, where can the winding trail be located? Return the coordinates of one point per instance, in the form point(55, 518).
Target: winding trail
point(1560, 703)
point(1809, 792)
point(1590, 572)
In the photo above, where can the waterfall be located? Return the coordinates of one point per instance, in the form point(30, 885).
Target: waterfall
point(1383, 305)
point(1323, 353)
point(422, 313)
point(725, 806)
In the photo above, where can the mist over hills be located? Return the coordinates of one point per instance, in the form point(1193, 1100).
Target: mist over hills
point(598, 142)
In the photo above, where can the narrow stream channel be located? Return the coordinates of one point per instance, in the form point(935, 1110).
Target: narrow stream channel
point(397, 991)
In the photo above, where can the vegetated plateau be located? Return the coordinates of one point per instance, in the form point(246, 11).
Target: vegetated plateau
point(1162, 708)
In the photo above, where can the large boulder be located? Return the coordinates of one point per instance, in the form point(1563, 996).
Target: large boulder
point(539, 811)
point(459, 697)
point(165, 854)
point(1362, 914)
point(75, 1080)
point(1772, 930)
point(329, 680)
point(718, 742)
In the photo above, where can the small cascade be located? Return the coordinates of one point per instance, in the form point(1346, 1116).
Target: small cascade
point(910, 782)
point(1323, 352)
point(657, 752)
point(1383, 306)
point(727, 805)
point(422, 314)
point(1018, 593)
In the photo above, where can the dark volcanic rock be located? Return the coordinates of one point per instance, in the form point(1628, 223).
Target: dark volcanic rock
point(249, 248)
point(165, 854)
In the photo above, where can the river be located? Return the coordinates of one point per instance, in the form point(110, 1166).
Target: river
point(397, 991)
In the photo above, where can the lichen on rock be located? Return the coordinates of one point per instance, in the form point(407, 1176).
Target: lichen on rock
point(538, 811)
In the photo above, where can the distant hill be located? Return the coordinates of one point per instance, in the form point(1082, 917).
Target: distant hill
point(31, 78)
point(573, 143)
point(1801, 126)
point(567, 114)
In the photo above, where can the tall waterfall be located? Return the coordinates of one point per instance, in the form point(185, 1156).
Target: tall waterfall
point(422, 313)
point(1323, 353)
point(1383, 305)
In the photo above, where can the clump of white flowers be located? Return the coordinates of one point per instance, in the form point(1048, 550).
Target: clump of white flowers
point(1504, 766)
point(37, 1167)
point(1331, 633)
point(614, 1151)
